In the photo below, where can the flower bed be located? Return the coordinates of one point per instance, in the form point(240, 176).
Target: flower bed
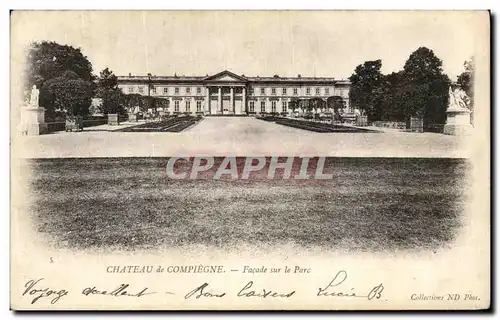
point(314, 126)
point(170, 124)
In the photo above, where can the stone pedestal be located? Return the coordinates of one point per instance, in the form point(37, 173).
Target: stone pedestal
point(74, 123)
point(362, 121)
point(113, 119)
point(416, 124)
point(457, 121)
point(132, 117)
point(33, 121)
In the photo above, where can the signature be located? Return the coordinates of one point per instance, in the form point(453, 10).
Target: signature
point(32, 290)
point(118, 292)
point(332, 290)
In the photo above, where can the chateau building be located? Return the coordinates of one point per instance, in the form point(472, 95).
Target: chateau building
point(226, 93)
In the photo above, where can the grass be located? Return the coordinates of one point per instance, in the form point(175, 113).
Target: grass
point(371, 204)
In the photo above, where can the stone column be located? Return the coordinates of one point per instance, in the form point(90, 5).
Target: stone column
point(207, 100)
point(220, 100)
point(231, 100)
point(244, 101)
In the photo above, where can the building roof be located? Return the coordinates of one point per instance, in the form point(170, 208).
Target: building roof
point(228, 74)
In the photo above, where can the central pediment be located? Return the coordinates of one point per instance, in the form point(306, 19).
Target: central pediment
point(226, 76)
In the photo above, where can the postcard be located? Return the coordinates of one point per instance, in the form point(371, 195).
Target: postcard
point(250, 160)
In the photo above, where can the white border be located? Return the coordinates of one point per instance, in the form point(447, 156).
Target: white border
point(200, 5)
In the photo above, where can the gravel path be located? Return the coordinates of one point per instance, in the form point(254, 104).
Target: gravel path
point(241, 136)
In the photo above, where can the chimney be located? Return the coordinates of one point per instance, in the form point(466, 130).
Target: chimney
point(299, 76)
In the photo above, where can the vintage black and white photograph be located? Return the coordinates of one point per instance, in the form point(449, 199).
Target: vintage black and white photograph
point(250, 135)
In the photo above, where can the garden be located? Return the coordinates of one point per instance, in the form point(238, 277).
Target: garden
point(167, 124)
point(314, 126)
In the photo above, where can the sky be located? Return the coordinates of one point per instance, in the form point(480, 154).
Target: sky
point(253, 43)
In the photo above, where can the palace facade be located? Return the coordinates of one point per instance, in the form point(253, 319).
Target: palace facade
point(227, 93)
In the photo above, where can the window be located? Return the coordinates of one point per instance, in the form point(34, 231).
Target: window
point(188, 90)
point(262, 106)
point(188, 106)
point(177, 90)
point(165, 90)
point(273, 91)
point(295, 91)
point(198, 105)
point(273, 106)
point(262, 91)
point(252, 106)
point(130, 89)
point(176, 105)
point(283, 91)
point(250, 90)
point(327, 91)
point(198, 90)
point(154, 90)
point(141, 89)
point(317, 91)
point(308, 91)
point(283, 106)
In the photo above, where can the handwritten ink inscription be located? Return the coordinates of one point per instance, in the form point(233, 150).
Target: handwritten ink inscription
point(336, 288)
point(36, 292)
point(333, 289)
point(200, 292)
point(247, 291)
point(118, 292)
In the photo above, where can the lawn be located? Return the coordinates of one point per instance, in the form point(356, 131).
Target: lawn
point(371, 204)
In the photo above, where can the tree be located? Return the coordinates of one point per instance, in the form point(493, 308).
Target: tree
point(424, 87)
point(68, 94)
point(162, 103)
point(305, 105)
point(130, 101)
point(49, 60)
point(106, 81)
point(149, 102)
point(391, 106)
point(336, 103)
point(365, 91)
point(107, 89)
point(113, 102)
point(317, 104)
point(293, 105)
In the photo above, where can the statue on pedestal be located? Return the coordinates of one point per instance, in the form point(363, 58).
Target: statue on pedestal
point(32, 115)
point(458, 99)
point(35, 93)
point(458, 113)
